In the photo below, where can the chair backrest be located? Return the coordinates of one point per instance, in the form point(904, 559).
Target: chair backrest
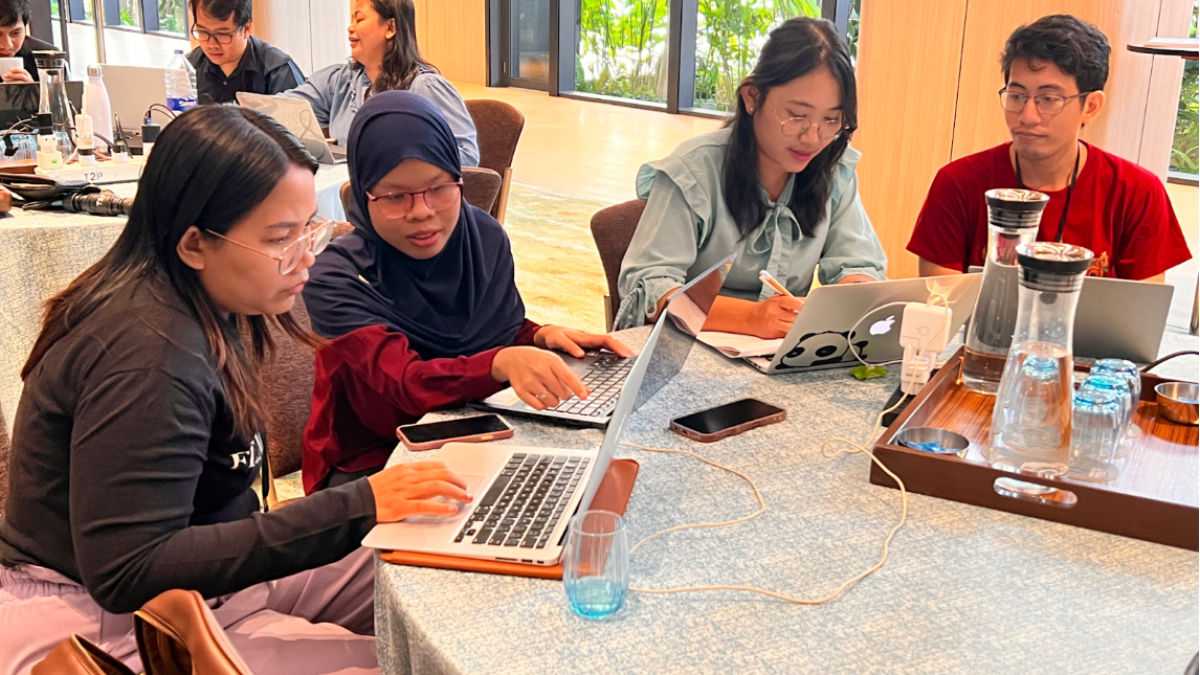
point(612, 230)
point(481, 188)
point(287, 391)
point(5, 448)
point(498, 126)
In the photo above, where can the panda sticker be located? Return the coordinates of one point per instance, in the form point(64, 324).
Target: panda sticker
point(822, 349)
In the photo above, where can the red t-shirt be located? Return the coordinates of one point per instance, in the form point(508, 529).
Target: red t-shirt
point(1119, 211)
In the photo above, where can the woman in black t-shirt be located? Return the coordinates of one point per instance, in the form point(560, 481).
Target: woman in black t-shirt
point(139, 432)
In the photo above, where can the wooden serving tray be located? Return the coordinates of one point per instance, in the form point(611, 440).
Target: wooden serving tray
point(1155, 498)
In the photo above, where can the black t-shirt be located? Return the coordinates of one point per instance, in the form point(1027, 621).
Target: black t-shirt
point(26, 51)
point(264, 69)
point(125, 477)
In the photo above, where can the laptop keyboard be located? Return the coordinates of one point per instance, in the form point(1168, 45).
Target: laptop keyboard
point(604, 380)
point(525, 502)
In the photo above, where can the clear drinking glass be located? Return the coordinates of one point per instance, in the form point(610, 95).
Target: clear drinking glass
point(1031, 421)
point(1097, 429)
point(1013, 219)
point(1133, 376)
point(595, 564)
point(1119, 387)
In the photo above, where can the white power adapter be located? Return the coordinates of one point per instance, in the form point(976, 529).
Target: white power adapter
point(924, 333)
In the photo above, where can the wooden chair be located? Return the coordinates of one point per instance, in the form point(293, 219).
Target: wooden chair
point(481, 189)
point(498, 126)
point(612, 230)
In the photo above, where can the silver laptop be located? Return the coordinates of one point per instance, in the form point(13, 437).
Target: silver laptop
point(132, 90)
point(836, 317)
point(604, 372)
point(297, 116)
point(1119, 318)
point(526, 496)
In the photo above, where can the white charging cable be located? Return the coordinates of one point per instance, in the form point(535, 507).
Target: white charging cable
point(762, 508)
point(917, 353)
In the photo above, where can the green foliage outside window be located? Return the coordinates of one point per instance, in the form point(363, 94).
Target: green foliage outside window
point(1186, 148)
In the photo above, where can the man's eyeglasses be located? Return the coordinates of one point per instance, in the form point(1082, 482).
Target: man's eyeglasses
point(318, 232)
point(799, 125)
point(400, 204)
point(219, 38)
point(1047, 104)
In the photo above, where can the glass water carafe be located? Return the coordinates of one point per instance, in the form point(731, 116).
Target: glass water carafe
point(1013, 219)
point(51, 67)
point(1031, 422)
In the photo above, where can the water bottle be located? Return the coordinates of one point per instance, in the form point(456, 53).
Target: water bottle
point(98, 107)
point(1031, 422)
point(1013, 219)
point(181, 84)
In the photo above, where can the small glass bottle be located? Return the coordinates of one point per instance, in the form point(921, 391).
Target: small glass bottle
point(1031, 421)
point(1013, 219)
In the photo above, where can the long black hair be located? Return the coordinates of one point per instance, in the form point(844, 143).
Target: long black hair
point(402, 61)
point(209, 168)
point(794, 49)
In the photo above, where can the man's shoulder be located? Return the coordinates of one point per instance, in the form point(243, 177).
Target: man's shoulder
point(974, 167)
point(269, 55)
point(1115, 168)
point(33, 44)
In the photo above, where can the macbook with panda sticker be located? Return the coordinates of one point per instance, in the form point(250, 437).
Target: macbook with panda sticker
point(839, 321)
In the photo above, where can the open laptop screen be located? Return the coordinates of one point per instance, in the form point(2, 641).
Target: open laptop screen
point(686, 313)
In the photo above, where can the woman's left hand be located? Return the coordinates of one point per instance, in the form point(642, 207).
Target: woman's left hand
point(577, 342)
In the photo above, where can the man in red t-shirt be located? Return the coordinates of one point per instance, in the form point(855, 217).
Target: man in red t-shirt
point(1055, 70)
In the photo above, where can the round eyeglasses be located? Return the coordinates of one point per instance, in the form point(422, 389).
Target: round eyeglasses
point(400, 204)
point(799, 125)
point(316, 237)
point(1046, 104)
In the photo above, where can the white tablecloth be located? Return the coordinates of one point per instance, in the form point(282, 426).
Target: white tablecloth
point(966, 591)
point(42, 251)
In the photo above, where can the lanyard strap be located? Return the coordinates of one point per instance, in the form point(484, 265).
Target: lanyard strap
point(1062, 221)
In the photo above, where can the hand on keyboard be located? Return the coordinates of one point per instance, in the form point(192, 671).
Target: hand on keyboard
point(538, 377)
point(577, 342)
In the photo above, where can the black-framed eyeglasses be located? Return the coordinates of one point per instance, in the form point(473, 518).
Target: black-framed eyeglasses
point(219, 38)
point(399, 204)
point(318, 232)
point(1046, 104)
point(800, 124)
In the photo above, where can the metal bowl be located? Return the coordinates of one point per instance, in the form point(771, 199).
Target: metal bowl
point(932, 439)
point(1177, 401)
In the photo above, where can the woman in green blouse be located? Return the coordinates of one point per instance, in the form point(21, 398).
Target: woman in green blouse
point(777, 185)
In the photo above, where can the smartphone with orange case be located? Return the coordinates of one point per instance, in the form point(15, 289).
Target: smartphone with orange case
point(433, 435)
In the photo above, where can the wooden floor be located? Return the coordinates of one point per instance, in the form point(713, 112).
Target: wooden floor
point(593, 150)
point(588, 149)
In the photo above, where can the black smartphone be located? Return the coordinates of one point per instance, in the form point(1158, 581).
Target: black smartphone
point(431, 436)
point(727, 420)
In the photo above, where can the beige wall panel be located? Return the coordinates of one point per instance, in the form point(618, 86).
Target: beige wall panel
point(453, 37)
point(908, 71)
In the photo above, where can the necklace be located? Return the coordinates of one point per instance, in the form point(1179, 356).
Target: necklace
point(1062, 221)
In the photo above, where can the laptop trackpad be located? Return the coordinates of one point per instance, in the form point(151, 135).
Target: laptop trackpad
point(473, 484)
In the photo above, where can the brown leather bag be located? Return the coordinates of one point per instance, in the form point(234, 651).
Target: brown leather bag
point(78, 656)
point(176, 635)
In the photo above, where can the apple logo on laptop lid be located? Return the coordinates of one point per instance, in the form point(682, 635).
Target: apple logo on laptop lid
point(883, 326)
